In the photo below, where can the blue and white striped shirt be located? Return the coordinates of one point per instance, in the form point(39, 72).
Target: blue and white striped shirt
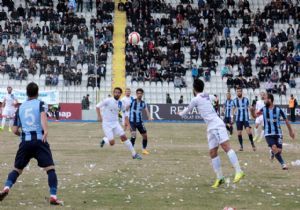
point(228, 105)
point(272, 120)
point(136, 109)
point(242, 113)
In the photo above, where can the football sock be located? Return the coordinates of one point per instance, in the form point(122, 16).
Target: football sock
point(3, 122)
point(11, 179)
point(52, 182)
point(128, 144)
point(216, 163)
point(11, 122)
point(279, 158)
point(105, 139)
point(145, 142)
point(251, 139)
point(262, 134)
point(255, 132)
point(227, 127)
point(241, 140)
point(234, 160)
point(132, 140)
point(231, 129)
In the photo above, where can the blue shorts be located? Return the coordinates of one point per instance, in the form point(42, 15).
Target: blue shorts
point(33, 149)
point(227, 120)
point(139, 126)
point(274, 140)
point(242, 124)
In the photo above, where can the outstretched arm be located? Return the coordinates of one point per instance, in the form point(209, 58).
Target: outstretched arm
point(187, 109)
point(291, 131)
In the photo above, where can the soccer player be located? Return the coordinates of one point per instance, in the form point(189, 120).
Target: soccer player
point(227, 107)
point(136, 108)
point(259, 121)
point(32, 120)
point(216, 133)
point(126, 100)
point(241, 112)
point(273, 133)
point(109, 117)
point(9, 109)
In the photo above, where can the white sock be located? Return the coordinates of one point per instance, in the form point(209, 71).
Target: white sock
point(128, 144)
point(53, 196)
point(216, 163)
point(234, 161)
point(105, 139)
point(11, 123)
point(262, 134)
point(255, 132)
point(3, 122)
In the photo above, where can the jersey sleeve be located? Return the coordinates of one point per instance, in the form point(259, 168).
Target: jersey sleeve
point(189, 108)
point(102, 104)
point(282, 114)
point(234, 103)
point(43, 107)
point(17, 121)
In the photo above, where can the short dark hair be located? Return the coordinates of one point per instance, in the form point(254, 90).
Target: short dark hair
point(32, 89)
point(118, 88)
point(139, 90)
point(198, 85)
point(238, 88)
point(271, 97)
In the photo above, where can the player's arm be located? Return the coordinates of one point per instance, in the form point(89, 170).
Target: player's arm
point(99, 106)
point(44, 121)
point(288, 125)
point(3, 103)
point(17, 123)
point(148, 113)
point(187, 109)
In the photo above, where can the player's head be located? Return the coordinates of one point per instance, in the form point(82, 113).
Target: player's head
point(262, 95)
point(139, 93)
point(117, 93)
point(32, 90)
point(198, 86)
point(9, 89)
point(239, 92)
point(127, 92)
point(269, 99)
point(228, 95)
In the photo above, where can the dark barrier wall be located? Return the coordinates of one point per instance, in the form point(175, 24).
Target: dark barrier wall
point(169, 112)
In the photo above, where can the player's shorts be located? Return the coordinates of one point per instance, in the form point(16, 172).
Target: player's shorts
point(9, 112)
point(242, 124)
point(33, 149)
point(111, 129)
point(139, 126)
point(227, 120)
point(259, 120)
point(216, 137)
point(274, 140)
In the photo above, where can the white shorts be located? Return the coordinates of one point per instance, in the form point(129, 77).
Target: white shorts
point(259, 120)
point(215, 137)
point(9, 112)
point(111, 129)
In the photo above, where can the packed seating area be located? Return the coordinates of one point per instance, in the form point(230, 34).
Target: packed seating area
point(253, 44)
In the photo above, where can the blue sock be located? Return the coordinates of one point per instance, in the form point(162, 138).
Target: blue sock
point(12, 178)
point(279, 158)
point(52, 181)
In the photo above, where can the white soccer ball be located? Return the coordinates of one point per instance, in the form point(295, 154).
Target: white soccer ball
point(229, 208)
point(134, 38)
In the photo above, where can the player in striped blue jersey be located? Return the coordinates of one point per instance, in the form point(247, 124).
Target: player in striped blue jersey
point(241, 112)
point(228, 113)
point(273, 133)
point(136, 108)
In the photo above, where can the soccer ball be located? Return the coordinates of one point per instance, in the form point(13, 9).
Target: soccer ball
point(134, 38)
point(229, 208)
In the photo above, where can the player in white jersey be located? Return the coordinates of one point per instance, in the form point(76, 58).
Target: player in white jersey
point(259, 121)
point(108, 113)
point(8, 109)
point(216, 133)
point(126, 100)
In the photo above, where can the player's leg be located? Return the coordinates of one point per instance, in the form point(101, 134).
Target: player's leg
point(143, 132)
point(215, 159)
point(43, 155)
point(249, 132)
point(109, 135)
point(11, 120)
point(256, 127)
point(3, 121)
point(118, 130)
point(133, 133)
point(275, 143)
point(239, 128)
point(22, 158)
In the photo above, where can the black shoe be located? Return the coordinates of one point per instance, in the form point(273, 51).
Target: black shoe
point(3, 194)
point(102, 143)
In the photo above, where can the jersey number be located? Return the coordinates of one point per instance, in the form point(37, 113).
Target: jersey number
point(30, 119)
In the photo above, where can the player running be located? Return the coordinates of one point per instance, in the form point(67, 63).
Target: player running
point(216, 133)
point(241, 112)
point(136, 108)
point(259, 121)
point(31, 118)
point(9, 109)
point(126, 100)
point(227, 107)
point(273, 133)
point(110, 109)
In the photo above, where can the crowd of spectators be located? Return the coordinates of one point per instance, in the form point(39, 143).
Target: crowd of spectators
point(51, 31)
